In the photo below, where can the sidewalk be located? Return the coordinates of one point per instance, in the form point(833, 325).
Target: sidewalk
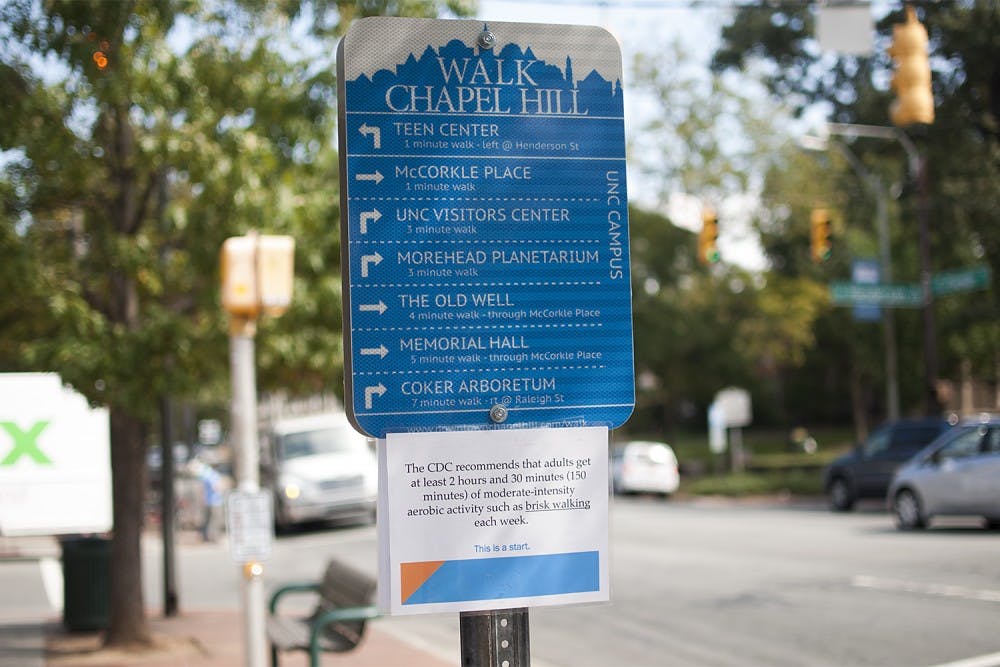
point(196, 638)
point(215, 639)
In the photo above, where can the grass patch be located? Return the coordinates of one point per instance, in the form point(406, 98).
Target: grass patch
point(795, 482)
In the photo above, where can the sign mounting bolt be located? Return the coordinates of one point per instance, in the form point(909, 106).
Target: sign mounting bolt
point(498, 414)
point(487, 40)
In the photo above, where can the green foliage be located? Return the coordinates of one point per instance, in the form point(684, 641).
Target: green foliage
point(798, 482)
point(136, 137)
point(962, 149)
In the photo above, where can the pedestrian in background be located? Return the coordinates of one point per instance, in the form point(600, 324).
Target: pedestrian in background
point(211, 484)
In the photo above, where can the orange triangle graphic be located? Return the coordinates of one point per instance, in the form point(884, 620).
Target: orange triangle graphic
point(413, 575)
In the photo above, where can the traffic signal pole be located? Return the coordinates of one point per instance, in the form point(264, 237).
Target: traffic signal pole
point(917, 171)
point(931, 403)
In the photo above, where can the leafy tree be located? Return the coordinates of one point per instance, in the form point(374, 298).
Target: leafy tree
point(699, 329)
point(136, 137)
point(962, 148)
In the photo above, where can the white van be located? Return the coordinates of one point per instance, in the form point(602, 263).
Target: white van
point(319, 468)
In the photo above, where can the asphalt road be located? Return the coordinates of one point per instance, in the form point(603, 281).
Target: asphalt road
point(699, 584)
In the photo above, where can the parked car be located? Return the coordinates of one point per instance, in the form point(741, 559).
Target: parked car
point(957, 474)
point(644, 467)
point(867, 470)
point(319, 468)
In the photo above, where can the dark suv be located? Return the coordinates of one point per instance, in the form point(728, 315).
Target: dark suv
point(866, 471)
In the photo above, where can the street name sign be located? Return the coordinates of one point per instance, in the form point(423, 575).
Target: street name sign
point(484, 231)
point(962, 280)
point(893, 294)
point(910, 295)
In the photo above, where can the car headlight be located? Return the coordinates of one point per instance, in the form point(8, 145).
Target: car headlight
point(293, 488)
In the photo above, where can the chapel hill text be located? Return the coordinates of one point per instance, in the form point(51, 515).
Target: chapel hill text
point(473, 86)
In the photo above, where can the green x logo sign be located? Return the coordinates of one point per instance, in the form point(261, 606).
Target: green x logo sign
point(25, 443)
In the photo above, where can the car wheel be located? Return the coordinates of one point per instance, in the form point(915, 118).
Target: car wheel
point(841, 498)
point(993, 523)
point(909, 513)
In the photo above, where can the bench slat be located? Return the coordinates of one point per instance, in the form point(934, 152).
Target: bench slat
point(343, 591)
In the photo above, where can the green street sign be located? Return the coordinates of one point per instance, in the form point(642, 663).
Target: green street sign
point(893, 295)
point(963, 280)
point(909, 295)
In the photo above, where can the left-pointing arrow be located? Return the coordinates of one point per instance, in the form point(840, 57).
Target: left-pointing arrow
point(375, 259)
point(379, 351)
point(379, 307)
point(378, 390)
point(374, 132)
point(377, 177)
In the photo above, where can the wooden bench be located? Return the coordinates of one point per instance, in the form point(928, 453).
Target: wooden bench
point(335, 625)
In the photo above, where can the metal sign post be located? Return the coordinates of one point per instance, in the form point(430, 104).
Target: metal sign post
point(496, 638)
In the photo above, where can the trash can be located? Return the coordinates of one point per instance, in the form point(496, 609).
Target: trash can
point(86, 566)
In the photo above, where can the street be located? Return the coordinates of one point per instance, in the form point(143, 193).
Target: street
point(694, 583)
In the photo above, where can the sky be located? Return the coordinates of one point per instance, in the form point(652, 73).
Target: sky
point(639, 28)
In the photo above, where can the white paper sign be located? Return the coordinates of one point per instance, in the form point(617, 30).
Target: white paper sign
point(250, 521)
point(476, 520)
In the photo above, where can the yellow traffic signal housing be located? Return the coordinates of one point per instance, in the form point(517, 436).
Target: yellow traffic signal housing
point(821, 246)
point(708, 253)
point(914, 101)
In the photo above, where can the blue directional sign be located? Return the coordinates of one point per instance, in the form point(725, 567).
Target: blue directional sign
point(484, 226)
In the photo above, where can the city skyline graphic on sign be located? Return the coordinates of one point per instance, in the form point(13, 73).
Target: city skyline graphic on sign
point(457, 78)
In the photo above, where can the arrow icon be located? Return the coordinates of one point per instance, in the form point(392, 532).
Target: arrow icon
point(369, 216)
point(379, 351)
point(373, 307)
point(375, 259)
point(377, 177)
point(378, 389)
point(375, 132)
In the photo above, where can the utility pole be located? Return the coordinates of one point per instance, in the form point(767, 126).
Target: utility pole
point(917, 171)
point(874, 184)
point(256, 277)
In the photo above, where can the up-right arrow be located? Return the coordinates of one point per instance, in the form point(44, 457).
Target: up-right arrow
point(378, 390)
point(369, 216)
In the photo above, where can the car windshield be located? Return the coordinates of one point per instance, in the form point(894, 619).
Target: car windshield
point(321, 441)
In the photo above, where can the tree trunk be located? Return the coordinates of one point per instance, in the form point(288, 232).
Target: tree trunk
point(128, 625)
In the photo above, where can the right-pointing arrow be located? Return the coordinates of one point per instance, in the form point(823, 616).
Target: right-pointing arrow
point(379, 351)
point(377, 177)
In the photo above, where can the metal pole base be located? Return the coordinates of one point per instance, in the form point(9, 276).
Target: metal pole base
point(495, 638)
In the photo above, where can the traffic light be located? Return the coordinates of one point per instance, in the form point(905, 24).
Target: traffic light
point(708, 253)
point(821, 246)
point(914, 101)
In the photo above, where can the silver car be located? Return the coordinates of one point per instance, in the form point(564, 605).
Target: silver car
point(957, 474)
